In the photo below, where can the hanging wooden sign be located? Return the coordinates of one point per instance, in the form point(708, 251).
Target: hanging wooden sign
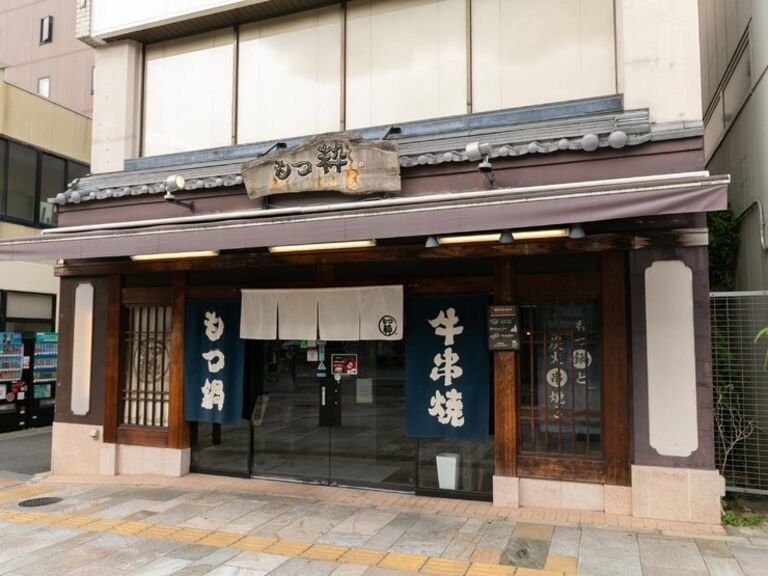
point(326, 164)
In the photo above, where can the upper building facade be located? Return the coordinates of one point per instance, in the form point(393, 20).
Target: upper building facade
point(41, 53)
point(337, 192)
point(370, 64)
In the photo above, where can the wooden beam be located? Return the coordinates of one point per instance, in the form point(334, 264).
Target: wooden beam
point(412, 285)
point(260, 259)
point(505, 382)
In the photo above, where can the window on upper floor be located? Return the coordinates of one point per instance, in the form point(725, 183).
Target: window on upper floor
point(22, 181)
point(44, 86)
point(28, 178)
point(46, 30)
point(373, 63)
point(53, 172)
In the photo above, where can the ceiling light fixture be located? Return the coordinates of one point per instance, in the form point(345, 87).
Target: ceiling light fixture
point(540, 234)
point(175, 255)
point(469, 238)
point(323, 246)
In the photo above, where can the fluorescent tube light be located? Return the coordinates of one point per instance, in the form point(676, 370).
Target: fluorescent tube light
point(323, 246)
point(540, 234)
point(175, 255)
point(469, 238)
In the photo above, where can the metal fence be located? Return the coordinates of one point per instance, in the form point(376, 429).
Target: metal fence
point(740, 388)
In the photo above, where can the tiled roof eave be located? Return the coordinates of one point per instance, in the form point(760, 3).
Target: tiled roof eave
point(608, 131)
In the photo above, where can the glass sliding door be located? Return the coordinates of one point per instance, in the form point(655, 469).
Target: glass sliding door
point(290, 439)
point(332, 413)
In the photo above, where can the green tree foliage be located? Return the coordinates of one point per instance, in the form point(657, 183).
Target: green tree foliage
point(723, 250)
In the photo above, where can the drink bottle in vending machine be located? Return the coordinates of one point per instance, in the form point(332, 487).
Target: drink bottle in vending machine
point(13, 387)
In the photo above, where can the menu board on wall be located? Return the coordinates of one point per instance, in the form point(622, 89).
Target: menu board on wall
point(503, 330)
point(11, 356)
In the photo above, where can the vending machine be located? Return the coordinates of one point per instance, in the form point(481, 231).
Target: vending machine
point(42, 379)
point(13, 388)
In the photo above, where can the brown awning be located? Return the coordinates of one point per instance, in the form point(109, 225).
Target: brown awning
point(509, 208)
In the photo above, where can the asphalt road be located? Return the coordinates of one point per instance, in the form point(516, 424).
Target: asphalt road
point(26, 452)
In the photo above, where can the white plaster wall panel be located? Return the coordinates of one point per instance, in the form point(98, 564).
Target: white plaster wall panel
point(527, 53)
point(671, 358)
point(660, 58)
point(406, 60)
point(289, 76)
point(187, 107)
point(110, 17)
point(116, 103)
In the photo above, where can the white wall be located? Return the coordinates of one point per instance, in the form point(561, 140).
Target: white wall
point(658, 58)
point(188, 95)
point(406, 60)
point(116, 106)
point(526, 53)
point(289, 76)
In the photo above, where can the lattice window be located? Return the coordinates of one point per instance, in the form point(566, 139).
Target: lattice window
point(560, 377)
point(145, 381)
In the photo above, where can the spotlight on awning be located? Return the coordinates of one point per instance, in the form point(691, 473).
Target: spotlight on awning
point(323, 246)
point(175, 255)
point(540, 234)
point(469, 238)
point(576, 232)
point(506, 237)
point(431, 242)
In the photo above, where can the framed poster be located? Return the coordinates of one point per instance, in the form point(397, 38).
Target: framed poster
point(344, 364)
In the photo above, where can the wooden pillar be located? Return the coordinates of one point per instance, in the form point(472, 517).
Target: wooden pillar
point(615, 377)
point(505, 381)
point(178, 429)
point(112, 361)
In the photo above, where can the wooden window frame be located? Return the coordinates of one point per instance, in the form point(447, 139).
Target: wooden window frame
point(609, 286)
point(176, 435)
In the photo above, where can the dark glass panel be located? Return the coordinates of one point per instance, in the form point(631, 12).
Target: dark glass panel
point(22, 179)
point(52, 176)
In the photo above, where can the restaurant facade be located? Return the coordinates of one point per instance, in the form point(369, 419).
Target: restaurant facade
point(509, 305)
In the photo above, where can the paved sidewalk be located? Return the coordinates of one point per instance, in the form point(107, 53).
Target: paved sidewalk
point(229, 527)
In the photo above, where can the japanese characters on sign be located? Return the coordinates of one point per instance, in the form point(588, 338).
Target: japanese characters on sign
point(330, 156)
point(213, 363)
point(340, 164)
point(447, 367)
point(448, 409)
point(566, 361)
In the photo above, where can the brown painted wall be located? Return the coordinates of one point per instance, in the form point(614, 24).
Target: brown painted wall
point(95, 415)
point(643, 453)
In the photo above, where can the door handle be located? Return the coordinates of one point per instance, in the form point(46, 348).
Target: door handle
point(322, 396)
